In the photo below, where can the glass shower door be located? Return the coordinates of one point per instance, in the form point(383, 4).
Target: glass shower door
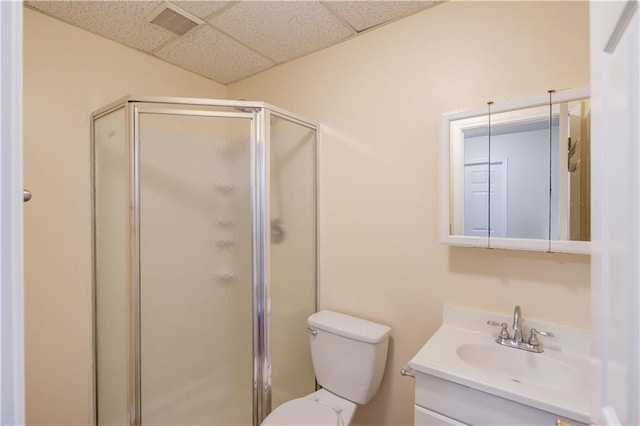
point(195, 268)
point(293, 269)
point(111, 308)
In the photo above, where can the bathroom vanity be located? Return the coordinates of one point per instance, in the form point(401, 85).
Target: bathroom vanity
point(464, 377)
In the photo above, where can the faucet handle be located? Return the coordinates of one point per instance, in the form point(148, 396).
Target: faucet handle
point(533, 340)
point(504, 334)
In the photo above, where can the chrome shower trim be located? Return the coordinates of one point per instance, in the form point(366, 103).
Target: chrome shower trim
point(279, 112)
point(94, 320)
point(113, 106)
point(316, 210)
point(261, 282)
point(135, 376)
point(207, 102)
point(265, 120)
point(256, 259)
point(260, 221)
point(178, 101)
point(192, 113)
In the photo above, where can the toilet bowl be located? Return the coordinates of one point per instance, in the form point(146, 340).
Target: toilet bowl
point(321, 408)
point(349, 356)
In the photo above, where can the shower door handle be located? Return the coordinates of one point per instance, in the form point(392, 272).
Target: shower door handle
point(26, 195)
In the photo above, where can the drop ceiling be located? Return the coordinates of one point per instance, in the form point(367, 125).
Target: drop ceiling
point(233, 39)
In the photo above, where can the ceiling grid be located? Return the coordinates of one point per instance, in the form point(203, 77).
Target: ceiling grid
point(238, 38)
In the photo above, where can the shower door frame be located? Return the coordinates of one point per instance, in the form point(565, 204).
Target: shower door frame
point(259, 114)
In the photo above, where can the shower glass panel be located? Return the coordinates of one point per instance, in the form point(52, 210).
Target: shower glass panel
point(293, 256)
point(205, 244)
point(111, 297)
point(195, 270)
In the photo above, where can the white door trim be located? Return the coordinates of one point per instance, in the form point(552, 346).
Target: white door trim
point(12, 410)
point(615, 227)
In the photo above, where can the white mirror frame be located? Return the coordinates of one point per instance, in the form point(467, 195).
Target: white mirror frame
point(562, 246)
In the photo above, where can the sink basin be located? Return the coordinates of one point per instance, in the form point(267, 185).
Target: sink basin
point(527, 368)
point(463, 352)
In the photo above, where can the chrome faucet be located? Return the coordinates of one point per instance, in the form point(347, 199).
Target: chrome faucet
point(533, 345)
point(517, 328)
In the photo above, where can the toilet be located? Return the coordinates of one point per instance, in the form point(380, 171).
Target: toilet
point(349, 355)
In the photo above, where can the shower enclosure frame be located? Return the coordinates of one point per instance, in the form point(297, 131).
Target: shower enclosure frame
point(260, 154)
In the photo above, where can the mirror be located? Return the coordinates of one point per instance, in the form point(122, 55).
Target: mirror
point(516, 174)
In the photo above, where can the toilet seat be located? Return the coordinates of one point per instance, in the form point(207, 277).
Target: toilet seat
point(313, 412)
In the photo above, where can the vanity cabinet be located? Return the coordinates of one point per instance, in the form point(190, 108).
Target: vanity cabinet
point(424, 417)
point(441, 402)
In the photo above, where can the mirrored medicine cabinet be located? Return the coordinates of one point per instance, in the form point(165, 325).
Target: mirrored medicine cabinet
point(516, 174)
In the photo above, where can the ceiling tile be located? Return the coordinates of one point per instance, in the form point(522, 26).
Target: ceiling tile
point(208, 52)
point(364, 14)
point(202, 9)
point(270, 26)
point(122, 21)
point(253, 35)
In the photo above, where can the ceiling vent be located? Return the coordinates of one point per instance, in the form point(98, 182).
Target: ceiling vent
point(172, 18)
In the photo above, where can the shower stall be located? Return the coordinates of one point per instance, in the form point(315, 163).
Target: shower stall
point(204, 260)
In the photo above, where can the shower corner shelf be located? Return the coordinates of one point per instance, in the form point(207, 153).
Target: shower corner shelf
point(225, 223)
point(225, 278)
point(225, 244)
point(224, 188)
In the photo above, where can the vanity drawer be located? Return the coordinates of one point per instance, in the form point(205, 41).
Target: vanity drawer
point(424, 417)
point(470, 406)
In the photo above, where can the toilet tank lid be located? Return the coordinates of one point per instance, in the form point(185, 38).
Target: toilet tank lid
point(348, 326)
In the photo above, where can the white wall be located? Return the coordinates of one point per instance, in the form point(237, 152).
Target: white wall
point(67, 74)
point(379, 97)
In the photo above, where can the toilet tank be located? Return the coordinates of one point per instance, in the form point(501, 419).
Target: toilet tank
point(349, 354)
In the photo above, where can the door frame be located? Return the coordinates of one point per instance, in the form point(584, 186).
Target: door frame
point(12, 404)
point(615, 275)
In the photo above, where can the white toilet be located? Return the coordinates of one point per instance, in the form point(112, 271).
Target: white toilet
point(349, 356)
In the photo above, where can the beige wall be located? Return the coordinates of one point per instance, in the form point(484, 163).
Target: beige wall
point(379, 97)
point(68, 74)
